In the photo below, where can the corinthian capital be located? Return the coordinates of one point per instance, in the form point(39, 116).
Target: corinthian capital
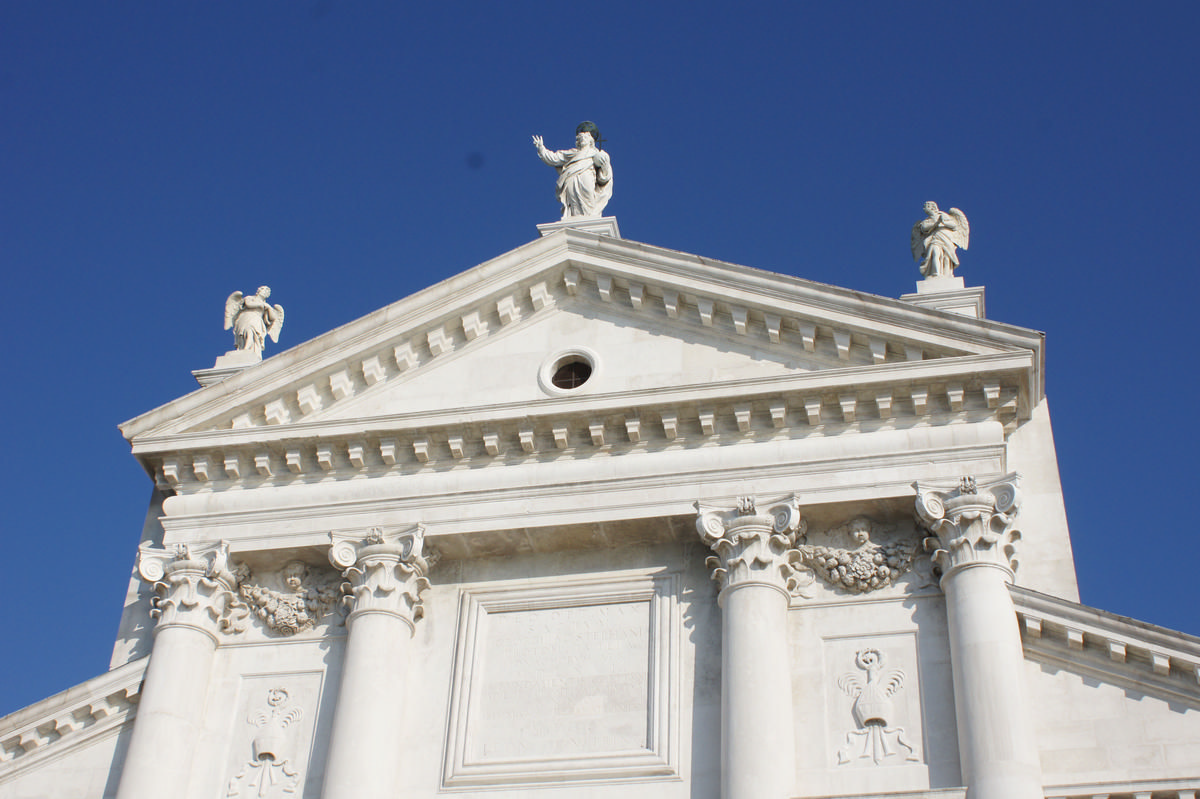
point(385, 572)
point(194, 587)
point(972, 522)
point(752, 546)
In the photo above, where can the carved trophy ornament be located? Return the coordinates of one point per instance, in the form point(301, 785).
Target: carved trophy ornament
point(864, 565)
point(936, 239)
point(270, 771)
point(253, 319)
point(585, 176)
point(873, 710)
point(306, 597)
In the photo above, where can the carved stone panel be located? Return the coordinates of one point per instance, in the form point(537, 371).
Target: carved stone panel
point(568, 680)
point(271, 739)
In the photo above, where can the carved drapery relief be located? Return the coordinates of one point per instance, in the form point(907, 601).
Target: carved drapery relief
point(385, 572)
point(874, 740)
point(270, 770)
point(294, 599)
point(972, 522)
point(753, 547)
point(861, 564)
point(195, 588)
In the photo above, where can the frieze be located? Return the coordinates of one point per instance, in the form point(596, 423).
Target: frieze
point(852, 559)
point(877, 739)
point(271, 770)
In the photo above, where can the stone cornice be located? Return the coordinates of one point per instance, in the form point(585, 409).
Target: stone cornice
point(849, 401)
point(1115, 649)
point(63, 722)
point(456, 313)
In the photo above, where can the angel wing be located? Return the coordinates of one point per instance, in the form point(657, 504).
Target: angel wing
point(258, 719)
point(232, 306)
point(893, 681)
point(291, 717)
point(962, 235)
point(850, 684)
point(277, 325)
point(918, 243)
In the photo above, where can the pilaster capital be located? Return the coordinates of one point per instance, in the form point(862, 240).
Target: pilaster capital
point(195, 587)
point(752, 547)
point(972, 523)
point(385, 571)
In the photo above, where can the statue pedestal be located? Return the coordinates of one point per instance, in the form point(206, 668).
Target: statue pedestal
point(948, 294)
point(601, 226)
point(227, 365)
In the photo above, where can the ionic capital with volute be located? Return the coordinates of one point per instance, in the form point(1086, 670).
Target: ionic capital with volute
point(752, 547)
point(972, 523)
point(385, 572)
point(194, 587)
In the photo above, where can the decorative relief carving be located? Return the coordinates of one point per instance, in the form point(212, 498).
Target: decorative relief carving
point(270, 770)
point(753, 548)
point(872, 709)
point(385, 572)
point(865, 565)
point(306, 596)
point(195, 589)
point(972, 522)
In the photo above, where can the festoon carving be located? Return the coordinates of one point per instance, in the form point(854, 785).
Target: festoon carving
point(752, 548)
point(873, 710)
point(972, 522)
point(270, 770)
point(384, 572)
point(195, 587)
point(866, 565)
point(307, 596)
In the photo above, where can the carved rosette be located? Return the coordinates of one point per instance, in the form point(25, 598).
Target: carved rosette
point(385, 572)
point(194, 589)
point(972, 523)
point(752, 548)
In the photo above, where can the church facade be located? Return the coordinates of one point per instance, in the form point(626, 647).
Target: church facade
point(601, 519)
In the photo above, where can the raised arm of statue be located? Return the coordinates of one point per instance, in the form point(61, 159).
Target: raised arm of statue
point(585, 175)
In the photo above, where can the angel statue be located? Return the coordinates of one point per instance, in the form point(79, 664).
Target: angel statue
point(253, 319)
point(935, 239)
point(585, 177)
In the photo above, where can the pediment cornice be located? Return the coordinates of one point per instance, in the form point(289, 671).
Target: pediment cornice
point(861, 342)
point(1112, 648)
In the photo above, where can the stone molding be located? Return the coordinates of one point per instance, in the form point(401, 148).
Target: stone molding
point(821, 403)
point(194, 588)
point(385, 572)
point(292, 599)
point(866, 565)
point(1110, 648)
point(752, 548)
point(972, 523)
point(60, 724)
point(1138, 789)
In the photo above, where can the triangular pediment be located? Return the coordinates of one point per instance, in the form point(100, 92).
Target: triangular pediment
point(660, 330)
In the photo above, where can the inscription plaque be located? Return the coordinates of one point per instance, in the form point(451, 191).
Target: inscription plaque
point(570, 679)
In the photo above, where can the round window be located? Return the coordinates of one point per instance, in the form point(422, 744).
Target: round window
point(567, 370)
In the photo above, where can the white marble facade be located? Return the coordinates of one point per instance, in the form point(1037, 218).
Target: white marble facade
point(598, 519)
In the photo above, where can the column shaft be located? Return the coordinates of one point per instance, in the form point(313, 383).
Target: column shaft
point(366, 743)
point(996, 741)
point(757, 739)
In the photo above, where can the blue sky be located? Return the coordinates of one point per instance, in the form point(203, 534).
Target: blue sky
point(156, 156)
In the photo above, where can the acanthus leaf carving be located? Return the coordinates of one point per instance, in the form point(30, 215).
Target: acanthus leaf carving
point(973, 523)
point(385, 572)
point(753, 547)
point(195, 589)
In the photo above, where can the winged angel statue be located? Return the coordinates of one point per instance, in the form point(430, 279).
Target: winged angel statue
point(936, 238)
point(253, 319)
